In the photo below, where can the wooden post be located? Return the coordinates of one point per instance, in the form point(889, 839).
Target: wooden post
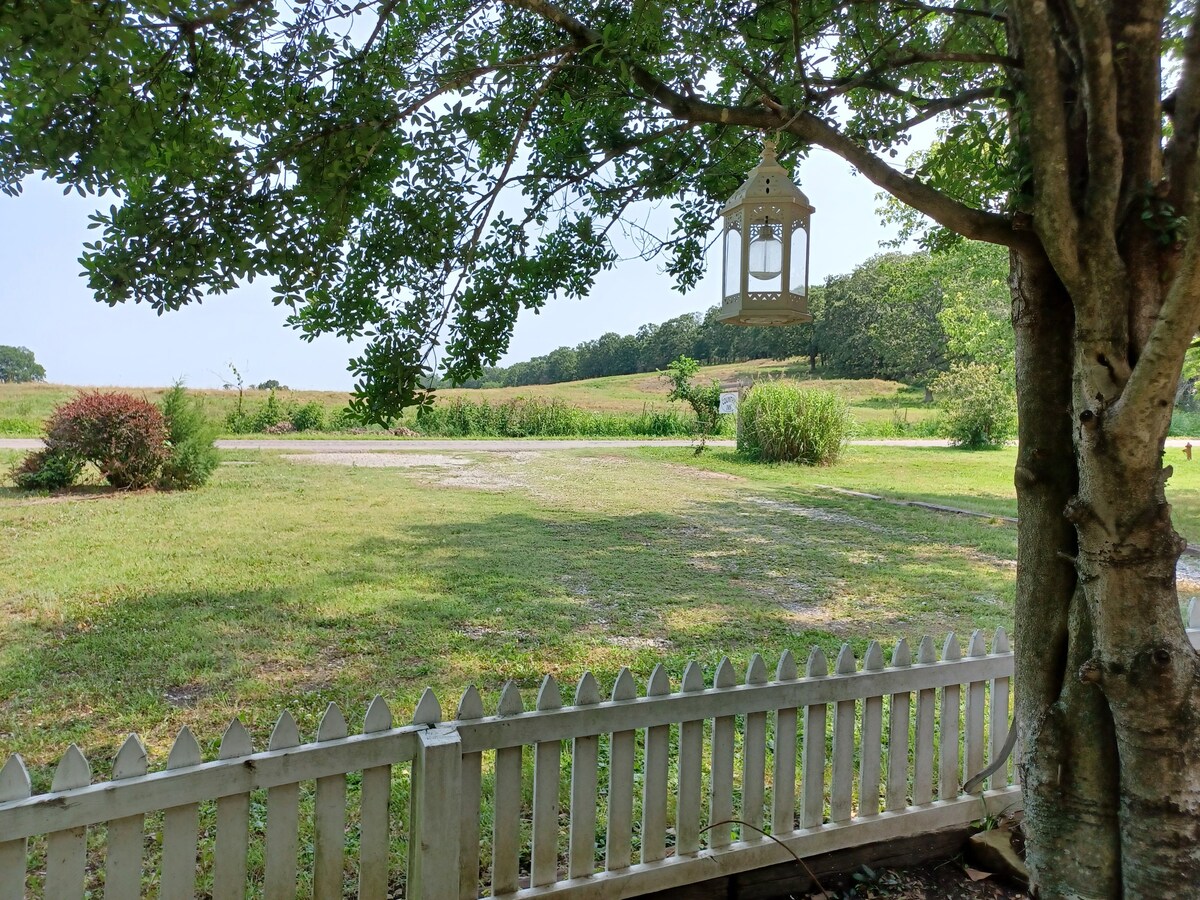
point(436, 794)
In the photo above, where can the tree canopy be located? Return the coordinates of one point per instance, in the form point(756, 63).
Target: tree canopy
point(18, 364)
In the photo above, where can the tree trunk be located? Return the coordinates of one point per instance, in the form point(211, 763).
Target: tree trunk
point(1067, 760)
point(1108, 697)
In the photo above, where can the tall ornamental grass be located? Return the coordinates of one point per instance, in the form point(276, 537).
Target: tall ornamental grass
point(782, 422)
point(535, 417)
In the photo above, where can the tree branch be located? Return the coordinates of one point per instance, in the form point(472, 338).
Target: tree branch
point(1105, 153)
point(1181, 151)
point(1054, 215)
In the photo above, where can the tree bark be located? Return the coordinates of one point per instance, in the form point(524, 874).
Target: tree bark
point(1067, 759)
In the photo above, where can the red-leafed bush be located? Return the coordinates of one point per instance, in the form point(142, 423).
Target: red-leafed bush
point(126, 437)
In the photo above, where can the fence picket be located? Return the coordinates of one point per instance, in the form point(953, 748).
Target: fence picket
point(691, 765)
point(999, 714)
point(585, 756)
point(654, 781)
point(66, 850)
point(872, 740)
point(754, 759)
point(180, 824)
point(618, 850)
point(14, 785)
point(547, 770)
point(896, 792)
point(470, 707)
point(924, 744)
point(329, 816)
point(812, 771)
point(123, 863)
point(376, 795)
point(841, 785)
point(783, 780)
point(720, 806)
point(233, 823)
point(283, 821)
point(506, 831)
point(976, 703)
point(949, 729)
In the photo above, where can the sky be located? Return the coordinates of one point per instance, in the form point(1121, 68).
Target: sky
point(46, 306)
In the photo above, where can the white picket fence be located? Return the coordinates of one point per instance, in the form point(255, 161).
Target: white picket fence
point(820, 762)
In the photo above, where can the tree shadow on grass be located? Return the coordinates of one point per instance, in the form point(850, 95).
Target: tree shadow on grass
point(498, 597)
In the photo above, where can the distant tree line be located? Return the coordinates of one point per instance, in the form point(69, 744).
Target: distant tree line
point(902, 317)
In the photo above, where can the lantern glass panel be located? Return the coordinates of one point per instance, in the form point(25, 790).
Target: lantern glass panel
point(797, 280)
point(733, 259)
point(765, 261)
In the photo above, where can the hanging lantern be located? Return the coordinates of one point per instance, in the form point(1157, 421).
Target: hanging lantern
point(766, 249)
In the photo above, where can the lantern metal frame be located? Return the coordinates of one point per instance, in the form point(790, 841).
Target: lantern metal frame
point(767, 207)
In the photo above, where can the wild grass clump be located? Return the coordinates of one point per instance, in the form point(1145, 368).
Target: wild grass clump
point(535, 417)
point(782, 422)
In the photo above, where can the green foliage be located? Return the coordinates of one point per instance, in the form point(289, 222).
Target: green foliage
point(705, 400)
point(309, 417)
point(46, 470)
point(369, 170)
point(192, 457)
point(17, 364)
point(343, 419)
point(783, 422)
point(124, 436)
point(979, 405)
point(535, 417)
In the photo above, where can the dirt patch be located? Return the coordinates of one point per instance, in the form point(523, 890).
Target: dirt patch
point(185, 695)
point(828, 516)
point(690, 472)
point(381, 460)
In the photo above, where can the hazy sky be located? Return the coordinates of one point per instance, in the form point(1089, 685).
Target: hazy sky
point(46, 306)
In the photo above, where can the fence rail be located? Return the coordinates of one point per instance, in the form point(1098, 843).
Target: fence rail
point(619, 796)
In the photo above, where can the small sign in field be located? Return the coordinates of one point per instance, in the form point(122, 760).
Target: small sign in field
point(729, 402)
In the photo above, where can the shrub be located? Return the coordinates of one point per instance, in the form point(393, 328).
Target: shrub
point(309, 417)
point(979, 405)
point(191, 458)
point(126, 437)
point(343, 420)
point(705, 400)
point(782, 422)
point(46, 470)
point(272, 412)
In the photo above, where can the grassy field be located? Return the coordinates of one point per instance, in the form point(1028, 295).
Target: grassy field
point(291, 582)
point(24, 407)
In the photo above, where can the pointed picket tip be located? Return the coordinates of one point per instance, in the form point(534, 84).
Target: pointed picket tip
point(787, 670)
point(549, 696)
point(1193, 613)
point(379, 716)
point(511, 703)
point(846, 663)
point(1000, 640)
point(185, 751)
point(14, 780)
point(333, 724)
point(926, 654)
point(693, 678)
point(951, 650)
point(756, 670)
point(130, 760)
point(587, 692)
point(873, 661)
point(817, 664)
point(73, 770)
point(625, 688)
point(235, 742)
point(901, 655)
point(285, 733)
point(977, 646)
point(429, 710)
point(725, 676)
point(470, 706)
point(659, 682)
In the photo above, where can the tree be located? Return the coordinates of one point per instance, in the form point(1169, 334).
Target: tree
point(18, 364)
point(424, 176)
